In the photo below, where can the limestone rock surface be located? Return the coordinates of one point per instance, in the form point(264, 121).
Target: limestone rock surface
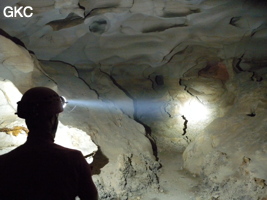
point(231, 151)
point(148, 76)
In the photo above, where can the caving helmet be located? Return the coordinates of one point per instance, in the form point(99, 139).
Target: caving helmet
point(40, 101)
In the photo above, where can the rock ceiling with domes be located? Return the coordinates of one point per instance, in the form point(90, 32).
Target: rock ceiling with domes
point(132, 32)
point(149, 76)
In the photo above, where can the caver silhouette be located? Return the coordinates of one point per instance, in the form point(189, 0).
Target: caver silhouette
point(41, 169)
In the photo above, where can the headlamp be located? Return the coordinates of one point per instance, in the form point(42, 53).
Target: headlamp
point(64, 101)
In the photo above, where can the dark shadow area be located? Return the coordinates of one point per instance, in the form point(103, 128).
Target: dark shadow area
point(185, 124)
point(150, 138)
point(162, 28)
point(252, 114)
point(100, 160)
point(71, 20)
point(14, 39)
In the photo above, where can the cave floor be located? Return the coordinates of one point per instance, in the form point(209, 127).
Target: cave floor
point(175, 182)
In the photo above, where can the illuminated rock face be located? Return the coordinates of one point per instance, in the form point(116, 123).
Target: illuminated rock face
point(13, 131)
point(192, 72)
point(234, 145)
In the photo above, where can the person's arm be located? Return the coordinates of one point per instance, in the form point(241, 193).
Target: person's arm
point(87, 189)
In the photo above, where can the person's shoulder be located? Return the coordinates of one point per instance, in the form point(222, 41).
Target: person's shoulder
point(69, 151)
point(2, 157)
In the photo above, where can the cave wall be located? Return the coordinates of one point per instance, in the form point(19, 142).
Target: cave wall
point(143, 67)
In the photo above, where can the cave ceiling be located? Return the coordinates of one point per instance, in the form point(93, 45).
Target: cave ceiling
point(151, 32)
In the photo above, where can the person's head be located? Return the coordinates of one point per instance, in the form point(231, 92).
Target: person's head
point(40, 107)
